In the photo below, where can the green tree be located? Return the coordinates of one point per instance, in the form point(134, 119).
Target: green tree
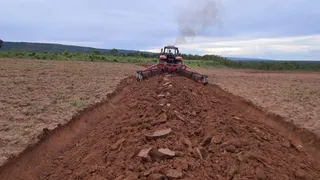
point(65, 52)
point(96, 52)
point(1, 43)
point(114, 51)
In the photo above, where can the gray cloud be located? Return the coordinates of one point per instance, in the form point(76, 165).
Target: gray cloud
point(143, 24)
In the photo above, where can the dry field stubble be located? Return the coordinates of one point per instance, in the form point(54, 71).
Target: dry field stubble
point(292, 95)
point(37, 94)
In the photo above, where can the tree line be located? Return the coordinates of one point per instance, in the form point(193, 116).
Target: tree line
point(143, 57)
point(115, 52)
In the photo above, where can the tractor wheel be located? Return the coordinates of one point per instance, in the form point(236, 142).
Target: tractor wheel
point(139, 77)
point(179, 67)
point(204, 81)
point(165, 66)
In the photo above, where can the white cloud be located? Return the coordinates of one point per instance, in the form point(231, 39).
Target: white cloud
point(259, 47)
point(155, 50)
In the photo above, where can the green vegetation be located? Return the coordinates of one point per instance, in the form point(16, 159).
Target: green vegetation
point(47, 47)
point(60, 52)
point(114, 56)
point(278, 65)
point(95, 56)
point(79, 103)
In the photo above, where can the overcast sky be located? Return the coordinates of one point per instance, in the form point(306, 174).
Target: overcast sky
point(274, 29)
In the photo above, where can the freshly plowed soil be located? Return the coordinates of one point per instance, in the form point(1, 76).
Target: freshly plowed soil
point(292, 95)
point(37, 94)
point(209, 134)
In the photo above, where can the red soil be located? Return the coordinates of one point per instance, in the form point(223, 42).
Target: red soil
point(214, 135)
point(37, 94)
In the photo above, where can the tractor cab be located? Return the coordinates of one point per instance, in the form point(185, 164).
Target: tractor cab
point(170, 50)
point(170, 54)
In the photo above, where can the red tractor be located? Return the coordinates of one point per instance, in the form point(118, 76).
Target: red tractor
point(170, 61)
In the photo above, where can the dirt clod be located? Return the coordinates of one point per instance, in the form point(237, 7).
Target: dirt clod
point(236, 118)
point(217, 140)
point(167, 152)
point(260, 174)
point(301, 174)
point(144, 152)
point(172, 173)
point(197, 150)
point(179, 116)
point(161, 95)
point(206, 140)
point(186, 142)
point(232, 172)
point(149, 171)
point(131, 177)
point(179, 154)
point(162, 102)
point(159, 133)
point(157, 176)
point(121, 177)
point(286, 144)
point(98, 177)
point(231, 148)
point(166, 84)
point(161, 119)
point(116, 145)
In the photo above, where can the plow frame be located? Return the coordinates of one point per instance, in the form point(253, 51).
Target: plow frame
point(180, 69)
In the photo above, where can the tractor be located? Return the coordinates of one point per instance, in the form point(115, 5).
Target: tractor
point(171, 61)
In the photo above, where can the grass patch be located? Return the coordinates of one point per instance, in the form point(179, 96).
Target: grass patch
point(143, 58)
point(79, 104)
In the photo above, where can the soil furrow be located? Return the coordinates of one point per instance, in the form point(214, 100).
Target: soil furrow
point(188, 130)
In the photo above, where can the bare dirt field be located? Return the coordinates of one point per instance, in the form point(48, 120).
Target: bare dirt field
point(38, 94)
point(173, 129)
point(161, 128)
point(293, 95)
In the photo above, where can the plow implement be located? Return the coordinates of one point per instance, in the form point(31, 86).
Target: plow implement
point(183, 70)
point(171, 63)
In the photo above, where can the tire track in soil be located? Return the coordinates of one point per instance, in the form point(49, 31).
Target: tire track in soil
point(214, 135)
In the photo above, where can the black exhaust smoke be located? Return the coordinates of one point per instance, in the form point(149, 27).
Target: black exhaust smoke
point(195, 19)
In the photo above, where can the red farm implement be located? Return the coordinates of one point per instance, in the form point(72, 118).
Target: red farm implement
point(170, 61)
